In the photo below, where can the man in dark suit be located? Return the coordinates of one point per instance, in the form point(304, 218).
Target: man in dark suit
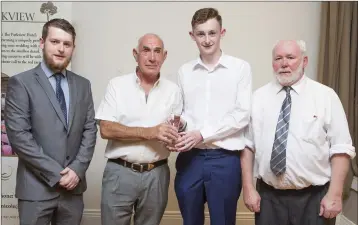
point(49, 117)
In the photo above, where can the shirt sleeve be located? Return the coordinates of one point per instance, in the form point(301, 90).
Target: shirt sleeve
point(249, 137)
point(338, 130)
point(237, 118)
point(107, 109)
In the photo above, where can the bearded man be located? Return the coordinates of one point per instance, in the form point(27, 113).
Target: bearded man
point(300, 144)
point(49, 117)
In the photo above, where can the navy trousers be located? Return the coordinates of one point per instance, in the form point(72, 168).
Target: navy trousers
point(212, 176)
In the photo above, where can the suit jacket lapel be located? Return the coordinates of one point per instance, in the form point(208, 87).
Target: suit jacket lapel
point(73, 98)
point(45, 84)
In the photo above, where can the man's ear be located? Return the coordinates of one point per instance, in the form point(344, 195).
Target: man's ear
point(305, 61)
point(223, 32)
point(135, 54)
point(192, 35)
point(165, 54)
point(42, 43)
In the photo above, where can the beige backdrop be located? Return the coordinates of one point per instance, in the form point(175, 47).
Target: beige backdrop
point(107, 32)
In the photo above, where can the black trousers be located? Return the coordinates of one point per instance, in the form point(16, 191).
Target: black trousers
point(291, 207)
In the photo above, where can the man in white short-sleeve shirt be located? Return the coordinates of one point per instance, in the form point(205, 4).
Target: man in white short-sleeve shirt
point(133, 117)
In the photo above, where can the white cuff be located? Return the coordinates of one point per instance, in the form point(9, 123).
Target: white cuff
point(342, 149)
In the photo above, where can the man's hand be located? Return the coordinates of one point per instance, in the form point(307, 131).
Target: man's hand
point(172, 147)
point(252, 199)
point(166, 133)
point(69, 179)
point(180, 124)
point(331, 206)
point(188, 140)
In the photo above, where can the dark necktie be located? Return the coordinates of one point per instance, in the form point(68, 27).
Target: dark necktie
point(278, 156)
point(60, 95)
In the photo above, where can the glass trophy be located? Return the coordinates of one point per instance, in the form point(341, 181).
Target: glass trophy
point(175, 114)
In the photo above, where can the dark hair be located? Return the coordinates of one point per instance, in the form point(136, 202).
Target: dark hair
point(59, 23)
point(205, 14)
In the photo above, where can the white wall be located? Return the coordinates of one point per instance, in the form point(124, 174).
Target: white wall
point(108, 31)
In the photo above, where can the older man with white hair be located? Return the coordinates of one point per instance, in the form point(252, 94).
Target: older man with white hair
point(300, 144)
point(133, 118)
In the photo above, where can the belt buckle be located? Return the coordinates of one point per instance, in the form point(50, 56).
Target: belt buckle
point(135, 170)
point(150, 166)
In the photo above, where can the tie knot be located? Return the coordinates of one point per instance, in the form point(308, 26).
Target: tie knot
point(287, 89)
point(58, 76)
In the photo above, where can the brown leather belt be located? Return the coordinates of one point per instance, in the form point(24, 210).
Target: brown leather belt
point(139, 167)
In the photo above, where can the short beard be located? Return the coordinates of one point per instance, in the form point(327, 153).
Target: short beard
point(55, 67)
point(293, 78)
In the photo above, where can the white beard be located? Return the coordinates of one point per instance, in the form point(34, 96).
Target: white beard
point(287, 80)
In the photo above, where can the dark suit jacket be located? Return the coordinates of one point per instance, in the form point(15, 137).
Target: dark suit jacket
point(38, 133)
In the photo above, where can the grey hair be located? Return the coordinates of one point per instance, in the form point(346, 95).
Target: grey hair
point(148, 34)
point(301, 44)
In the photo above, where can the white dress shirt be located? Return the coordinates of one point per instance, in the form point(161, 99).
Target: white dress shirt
point(125, 102)
point(217, 101)
point(318, 129)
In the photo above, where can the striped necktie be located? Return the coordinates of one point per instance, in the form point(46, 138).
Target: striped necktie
point(278, 156)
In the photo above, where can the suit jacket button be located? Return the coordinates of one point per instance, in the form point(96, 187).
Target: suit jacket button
point(67, 157)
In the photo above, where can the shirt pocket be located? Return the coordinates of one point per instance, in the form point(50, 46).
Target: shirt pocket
point(312, 130)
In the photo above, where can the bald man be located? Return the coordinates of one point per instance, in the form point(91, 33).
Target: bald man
point(132, 117)
point(301, 144)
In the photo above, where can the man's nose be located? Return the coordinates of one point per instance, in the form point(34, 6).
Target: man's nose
point(152, 57)
point(207, 40)
point(61, 48)
point(284, 63)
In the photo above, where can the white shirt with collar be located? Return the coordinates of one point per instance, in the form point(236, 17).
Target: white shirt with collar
point(125, 102)
point(217, 101)
point(318, 129)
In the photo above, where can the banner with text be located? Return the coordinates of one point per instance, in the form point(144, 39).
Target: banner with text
point(21, 31)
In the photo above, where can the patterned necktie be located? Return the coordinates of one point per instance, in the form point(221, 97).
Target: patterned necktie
point(278, 156)
point(60, 95)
